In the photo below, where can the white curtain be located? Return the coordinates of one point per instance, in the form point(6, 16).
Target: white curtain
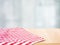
point(29, 13)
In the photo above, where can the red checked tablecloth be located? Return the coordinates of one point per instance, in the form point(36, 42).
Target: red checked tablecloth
point(18, 36)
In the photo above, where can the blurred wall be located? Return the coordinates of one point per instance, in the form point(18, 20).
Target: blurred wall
point(30, 13)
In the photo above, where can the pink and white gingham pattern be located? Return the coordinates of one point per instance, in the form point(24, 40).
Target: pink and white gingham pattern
point(18, 36)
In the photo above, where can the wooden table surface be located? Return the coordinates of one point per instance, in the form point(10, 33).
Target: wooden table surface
point(50, 35)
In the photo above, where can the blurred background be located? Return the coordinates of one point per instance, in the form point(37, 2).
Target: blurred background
point(30, 13)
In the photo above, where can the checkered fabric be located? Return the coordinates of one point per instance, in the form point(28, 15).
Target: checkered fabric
point(18, 36)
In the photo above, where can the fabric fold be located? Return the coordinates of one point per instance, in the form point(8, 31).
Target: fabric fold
point(18, 36)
